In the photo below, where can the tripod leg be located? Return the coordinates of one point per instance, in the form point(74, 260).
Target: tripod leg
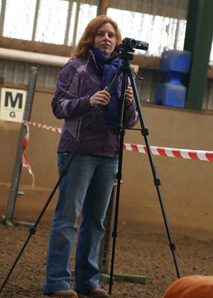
point(157, 183)
point(32, 231)
point(64, 172)
point(119, 174)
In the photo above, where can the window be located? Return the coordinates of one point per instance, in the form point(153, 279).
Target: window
point(162, 33)
point(51, 21)
point(19, 18)
point(63, 21)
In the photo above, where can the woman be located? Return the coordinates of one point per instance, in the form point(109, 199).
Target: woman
point(81, 87)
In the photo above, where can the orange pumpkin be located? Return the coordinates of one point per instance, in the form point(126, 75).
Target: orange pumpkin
point(194, 286)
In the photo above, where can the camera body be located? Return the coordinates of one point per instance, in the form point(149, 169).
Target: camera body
point(136, 44)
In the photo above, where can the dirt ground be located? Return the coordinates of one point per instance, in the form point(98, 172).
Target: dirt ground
point(140, 251)
point(136, 254)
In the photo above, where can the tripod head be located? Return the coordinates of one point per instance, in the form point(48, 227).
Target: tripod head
point(126, 49)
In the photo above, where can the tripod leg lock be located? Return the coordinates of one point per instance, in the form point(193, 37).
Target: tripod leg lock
point(157, 182)
point(114, 234)
point(88, 126)
point(64, 172)
point(145, 132)
point(172, 247)
point(119, 176)
point(32, 230)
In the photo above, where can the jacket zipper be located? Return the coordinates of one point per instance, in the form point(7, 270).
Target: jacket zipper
point(78, 128)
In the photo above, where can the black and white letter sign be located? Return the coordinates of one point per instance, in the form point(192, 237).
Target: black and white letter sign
point(12, 104)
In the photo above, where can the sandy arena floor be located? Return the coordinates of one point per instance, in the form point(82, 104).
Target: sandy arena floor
point(136, 254)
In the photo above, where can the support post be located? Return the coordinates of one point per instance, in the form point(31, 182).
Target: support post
point(18, 161)
point(102, 8)
point(104, 252)
point(198, 40)
point(105, 248)
point(2, 16)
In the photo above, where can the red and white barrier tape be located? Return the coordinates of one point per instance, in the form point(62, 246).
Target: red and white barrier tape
point(163, 151)
point(172, 152)
point(54, 129)
point(25, 162)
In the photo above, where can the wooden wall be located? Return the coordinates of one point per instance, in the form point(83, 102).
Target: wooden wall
point(186, 184)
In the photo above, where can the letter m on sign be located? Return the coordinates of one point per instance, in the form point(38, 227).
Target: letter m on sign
point(13, 101)
point(12, 104)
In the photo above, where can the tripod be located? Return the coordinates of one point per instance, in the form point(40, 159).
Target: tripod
point(125, 53)
point(127, 71)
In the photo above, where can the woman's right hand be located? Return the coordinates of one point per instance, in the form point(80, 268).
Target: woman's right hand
point(100, 98)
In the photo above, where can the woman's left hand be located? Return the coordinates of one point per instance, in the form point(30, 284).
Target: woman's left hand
point(129, 96)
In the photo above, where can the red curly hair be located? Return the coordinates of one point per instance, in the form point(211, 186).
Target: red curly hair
point(87, 39)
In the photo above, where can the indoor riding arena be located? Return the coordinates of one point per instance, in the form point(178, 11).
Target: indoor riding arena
point(158, 240)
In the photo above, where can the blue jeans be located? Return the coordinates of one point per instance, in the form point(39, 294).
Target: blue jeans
point(87, 189)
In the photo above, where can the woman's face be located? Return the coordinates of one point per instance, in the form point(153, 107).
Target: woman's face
point(105, 39)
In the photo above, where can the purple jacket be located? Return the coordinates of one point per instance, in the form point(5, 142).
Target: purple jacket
point(78, 80)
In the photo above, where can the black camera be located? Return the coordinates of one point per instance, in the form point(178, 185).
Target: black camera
point(136, 44)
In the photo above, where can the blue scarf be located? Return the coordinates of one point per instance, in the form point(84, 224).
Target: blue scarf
point(108, 69)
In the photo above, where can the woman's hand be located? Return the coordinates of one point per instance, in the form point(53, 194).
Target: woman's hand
point(129, 96)
point(100, 98)
point(103, 97)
